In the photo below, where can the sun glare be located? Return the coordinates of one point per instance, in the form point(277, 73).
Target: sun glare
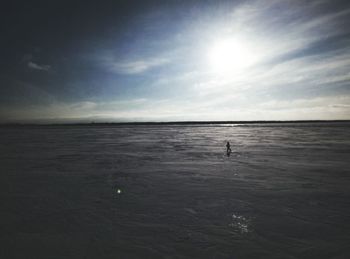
point(231, 56)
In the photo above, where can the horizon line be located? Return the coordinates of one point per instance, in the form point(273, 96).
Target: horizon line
point(164, 122)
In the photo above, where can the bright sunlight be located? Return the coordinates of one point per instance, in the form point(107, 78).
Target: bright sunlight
point(230, 56)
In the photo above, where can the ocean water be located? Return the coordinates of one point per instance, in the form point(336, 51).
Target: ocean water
point(170, 191)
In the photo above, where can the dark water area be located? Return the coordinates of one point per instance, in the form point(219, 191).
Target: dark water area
point(170, 191)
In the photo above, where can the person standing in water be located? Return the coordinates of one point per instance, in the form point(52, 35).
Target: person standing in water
point(228, 148)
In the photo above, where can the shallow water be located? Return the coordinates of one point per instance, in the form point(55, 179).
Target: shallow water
point(171, 191)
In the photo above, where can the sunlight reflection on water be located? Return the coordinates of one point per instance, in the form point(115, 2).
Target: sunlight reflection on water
point(240, 224)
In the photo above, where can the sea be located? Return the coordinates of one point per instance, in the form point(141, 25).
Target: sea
point(172, 190)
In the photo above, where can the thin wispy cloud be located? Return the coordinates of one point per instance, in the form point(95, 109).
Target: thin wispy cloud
point(36, 66)
point(133, 64)
point(299, 56)
point(158, 63)
point(137, 66)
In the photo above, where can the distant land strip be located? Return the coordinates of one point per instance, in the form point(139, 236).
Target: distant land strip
point(172, 123)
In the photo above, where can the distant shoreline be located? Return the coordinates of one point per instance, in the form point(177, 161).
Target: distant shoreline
point(172, 123)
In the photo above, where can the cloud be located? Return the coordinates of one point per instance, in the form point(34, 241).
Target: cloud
point(304, 52)
point(287, 29)
point(302, 69)
point(323, 108)
point(137, 62)
point(318, 102)
point(82, 106)
point(35, 66)
point(136, 66)
point(330, 108)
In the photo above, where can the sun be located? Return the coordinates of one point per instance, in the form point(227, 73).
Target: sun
point(230, 56)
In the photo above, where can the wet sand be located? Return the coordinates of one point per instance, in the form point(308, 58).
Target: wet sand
point(282, 193)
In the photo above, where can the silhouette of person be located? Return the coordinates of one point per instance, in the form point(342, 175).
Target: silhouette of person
point(228, 148)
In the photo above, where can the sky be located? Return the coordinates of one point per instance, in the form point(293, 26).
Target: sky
point(122, 61)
